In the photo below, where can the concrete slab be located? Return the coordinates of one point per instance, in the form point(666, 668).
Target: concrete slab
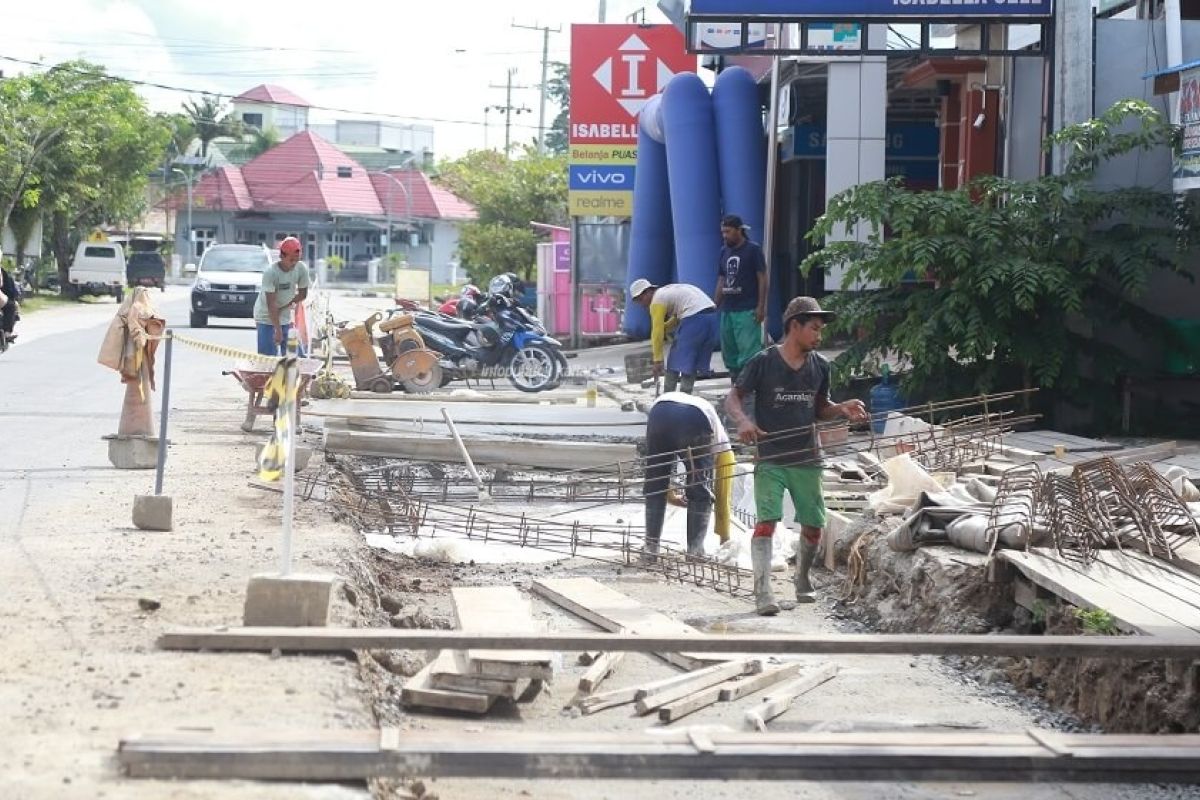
point(133, 452)
point(431, 412)
point(152, 512)
point(292, 600)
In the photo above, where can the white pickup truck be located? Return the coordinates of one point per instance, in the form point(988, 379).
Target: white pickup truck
point(98, 269)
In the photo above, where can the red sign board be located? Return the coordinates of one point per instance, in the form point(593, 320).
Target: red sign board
point(615, 69)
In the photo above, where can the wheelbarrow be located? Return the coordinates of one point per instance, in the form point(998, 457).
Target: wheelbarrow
point(253, 378)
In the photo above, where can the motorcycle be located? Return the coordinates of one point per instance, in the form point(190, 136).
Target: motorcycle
point(10, 310)
point(500, 340)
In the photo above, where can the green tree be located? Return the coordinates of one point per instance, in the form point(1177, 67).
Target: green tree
point(28, 129)
point(1025, 283)
point(105, 144)
point(255, 144)
point(508, 195)
point(209, 122)
point(183, 133)
point(559, 90)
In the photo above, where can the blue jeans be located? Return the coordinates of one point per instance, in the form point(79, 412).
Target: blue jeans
point(695, 340)
point(266, 340)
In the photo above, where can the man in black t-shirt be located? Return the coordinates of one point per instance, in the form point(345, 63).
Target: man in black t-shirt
point(790, 384)
point(741, 295)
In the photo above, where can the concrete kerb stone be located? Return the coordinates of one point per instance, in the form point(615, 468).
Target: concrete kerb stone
point(293, 600)
point(133, 452)
point(153, 512)
point(303, 454)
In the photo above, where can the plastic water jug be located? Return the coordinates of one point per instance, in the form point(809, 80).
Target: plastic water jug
point(885, 397)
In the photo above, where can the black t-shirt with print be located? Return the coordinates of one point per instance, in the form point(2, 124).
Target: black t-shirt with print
point(739, 269)
point(785, 405)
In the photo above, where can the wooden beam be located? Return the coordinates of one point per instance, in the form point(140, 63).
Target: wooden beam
point(325, 640)
point(600, 669)
point(613, 611)
point(722, 755)
point(420, 691)
point(500, 609)
point(701, 679)
point(780, 699)
point(736, 690)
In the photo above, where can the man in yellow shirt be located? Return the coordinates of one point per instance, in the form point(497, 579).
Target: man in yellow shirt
point(692, 313)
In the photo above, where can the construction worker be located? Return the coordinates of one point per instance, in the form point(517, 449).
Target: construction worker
point(686, 308)
point(683, 428)
point(790, 384)
point(741, 295)
point(284, 284)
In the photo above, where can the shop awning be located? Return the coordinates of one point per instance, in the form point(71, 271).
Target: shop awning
point(1166, 80)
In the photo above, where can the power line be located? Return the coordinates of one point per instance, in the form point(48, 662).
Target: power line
point(221, 95)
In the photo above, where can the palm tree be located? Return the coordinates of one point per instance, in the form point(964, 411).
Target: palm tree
point(253, 146)
point(206, 118)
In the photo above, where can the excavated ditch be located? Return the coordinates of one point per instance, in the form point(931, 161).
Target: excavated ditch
point(945, 590)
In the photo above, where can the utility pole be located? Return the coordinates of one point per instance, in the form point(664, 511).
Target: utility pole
point(546, 31)
point(508, 109)
point(603, 5)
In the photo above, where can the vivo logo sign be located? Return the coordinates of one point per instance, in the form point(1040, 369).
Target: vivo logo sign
point(600, 177)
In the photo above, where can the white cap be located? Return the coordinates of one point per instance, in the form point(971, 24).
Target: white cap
point(638, 287)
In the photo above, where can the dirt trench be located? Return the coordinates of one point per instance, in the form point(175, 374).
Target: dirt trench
point(946, 590)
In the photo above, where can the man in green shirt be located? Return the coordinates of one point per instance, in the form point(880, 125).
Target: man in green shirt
point(284, 284)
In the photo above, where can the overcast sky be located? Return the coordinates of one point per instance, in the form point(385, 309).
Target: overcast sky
point(431, 62)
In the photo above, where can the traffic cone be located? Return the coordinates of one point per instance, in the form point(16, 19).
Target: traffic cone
point(137, 417)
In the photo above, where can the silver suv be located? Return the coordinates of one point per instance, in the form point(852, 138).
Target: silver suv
point(227, 282)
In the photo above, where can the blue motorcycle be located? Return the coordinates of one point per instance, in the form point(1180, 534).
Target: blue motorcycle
point(499, 339)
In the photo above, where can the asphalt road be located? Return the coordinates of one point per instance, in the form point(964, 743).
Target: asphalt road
point(59, 402)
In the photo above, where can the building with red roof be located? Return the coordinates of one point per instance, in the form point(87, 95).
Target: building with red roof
point(308, 188)
point(267, 106)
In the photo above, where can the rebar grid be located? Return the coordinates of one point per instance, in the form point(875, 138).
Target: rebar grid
point(1162, 504)
point(1074, 515)
point(395, 513)
point(1015, 506)
point(1116, 496)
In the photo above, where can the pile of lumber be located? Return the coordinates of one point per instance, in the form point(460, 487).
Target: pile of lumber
point(471, 681)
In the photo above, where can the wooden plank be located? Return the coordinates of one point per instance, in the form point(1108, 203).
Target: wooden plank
point(1177, 566)
point(325, 640)
point(1165, 578)
point(500, 609)
point(1187, 556)
point(599, 702)
point(714, 755)
point(701, 679)
point(600, 669)
point(420, 691)
point(1086, 592)
point(451, 671)
point(736, 690)
point(678, 709)
point(1138, 591)
point(781, 698)
point(613, 611)
point(501, 398)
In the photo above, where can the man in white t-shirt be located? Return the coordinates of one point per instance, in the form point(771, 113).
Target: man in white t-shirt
point(284, 284)
point(683, 428)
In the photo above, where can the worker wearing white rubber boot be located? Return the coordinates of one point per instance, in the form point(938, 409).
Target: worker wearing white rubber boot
point(790, 384)
point(685, 429)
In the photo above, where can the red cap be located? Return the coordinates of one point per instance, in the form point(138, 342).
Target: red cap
point(289, 246)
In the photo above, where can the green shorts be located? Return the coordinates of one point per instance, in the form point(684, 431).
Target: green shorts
point(741, 338)
point(804, 485)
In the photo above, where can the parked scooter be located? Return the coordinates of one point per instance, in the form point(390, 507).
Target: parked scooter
point(10, 295)
point(500, 340)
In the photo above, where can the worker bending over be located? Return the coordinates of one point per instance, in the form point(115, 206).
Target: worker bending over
point(686, 308)
point(683, 428)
